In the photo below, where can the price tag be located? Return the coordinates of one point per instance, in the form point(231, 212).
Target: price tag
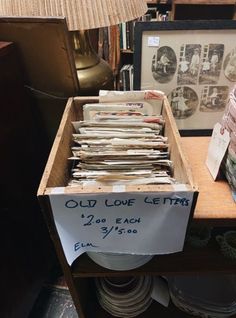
point(153, 41)
point(217, 148)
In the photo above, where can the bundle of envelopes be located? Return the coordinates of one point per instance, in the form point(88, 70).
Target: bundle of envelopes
point(120, 144)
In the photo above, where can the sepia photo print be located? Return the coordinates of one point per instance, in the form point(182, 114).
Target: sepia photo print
point(193, 63)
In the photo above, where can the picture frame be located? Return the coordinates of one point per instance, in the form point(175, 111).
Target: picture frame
point(193, 63)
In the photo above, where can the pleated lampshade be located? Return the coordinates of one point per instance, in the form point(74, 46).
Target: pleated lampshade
point(82, 15)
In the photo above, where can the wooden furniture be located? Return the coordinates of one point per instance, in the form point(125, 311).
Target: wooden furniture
point(49, 74)
point(201, 9)
point(215, 207)
point(215, 204)
point(26, 250)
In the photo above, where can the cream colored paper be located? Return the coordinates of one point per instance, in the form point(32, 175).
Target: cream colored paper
point(217, 148)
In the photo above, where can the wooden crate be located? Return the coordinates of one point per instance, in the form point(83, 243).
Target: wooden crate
point(57, 171)
point(57, 174)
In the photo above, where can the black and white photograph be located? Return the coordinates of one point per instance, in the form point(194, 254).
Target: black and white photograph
point(164, 64)
point(197, 76)
point(183, 101)
point(230, 66)
point(211, 63)
point(189, 63)
point(213, 98)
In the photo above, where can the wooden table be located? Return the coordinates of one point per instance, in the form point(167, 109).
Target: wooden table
point(215, 204)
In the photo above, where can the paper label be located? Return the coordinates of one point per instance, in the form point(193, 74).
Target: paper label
point(153, 41)
point(138, 223)
point(217, 148)
point(118, 188)
point(58, 190)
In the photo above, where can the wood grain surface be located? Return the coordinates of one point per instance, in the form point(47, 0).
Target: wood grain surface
point(215, 204)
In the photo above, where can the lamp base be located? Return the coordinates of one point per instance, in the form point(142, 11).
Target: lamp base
point(93, 72)
point(94, 78)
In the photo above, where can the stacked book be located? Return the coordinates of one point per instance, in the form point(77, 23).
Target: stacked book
point(126, 77)
point(120, 144)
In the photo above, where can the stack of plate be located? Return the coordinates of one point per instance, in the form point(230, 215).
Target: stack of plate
point(205, 296)
point(124, 298)
point(118, 261)
point(230, 168)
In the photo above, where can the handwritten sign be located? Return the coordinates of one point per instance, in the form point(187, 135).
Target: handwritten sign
point(137, 223)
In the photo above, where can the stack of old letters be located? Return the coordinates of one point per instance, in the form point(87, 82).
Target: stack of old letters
point(121, 143)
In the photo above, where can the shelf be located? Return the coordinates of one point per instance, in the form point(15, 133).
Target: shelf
point(155, 310)
point(205, 2)
point(201, 9)
point(191, 260)
point(92, 309)
point(215, 205)
point(127, 51)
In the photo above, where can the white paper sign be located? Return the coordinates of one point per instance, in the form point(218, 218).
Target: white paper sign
point(217, 148)
point(153, 41)
point(134, 223)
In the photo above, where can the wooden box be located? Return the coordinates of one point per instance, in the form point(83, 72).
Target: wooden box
point(57, 171)
point(202, 9)
point(56, 177)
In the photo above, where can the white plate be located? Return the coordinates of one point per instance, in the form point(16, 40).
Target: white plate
point(127, 304)
point(206, 296)
point(117, 261)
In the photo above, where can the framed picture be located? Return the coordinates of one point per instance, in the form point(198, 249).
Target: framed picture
point(193, 63)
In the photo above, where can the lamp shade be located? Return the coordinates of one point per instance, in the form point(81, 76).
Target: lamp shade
point(80, 14)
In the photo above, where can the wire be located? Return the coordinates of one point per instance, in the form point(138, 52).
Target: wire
point(37, 91)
